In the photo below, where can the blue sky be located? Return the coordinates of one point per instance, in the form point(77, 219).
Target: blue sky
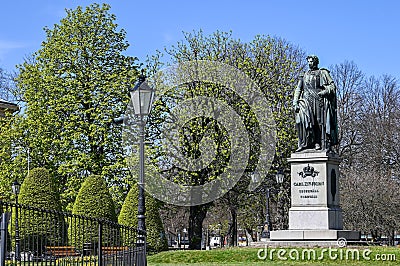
point(366, 32)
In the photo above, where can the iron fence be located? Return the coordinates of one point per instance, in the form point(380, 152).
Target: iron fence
point(36, 236)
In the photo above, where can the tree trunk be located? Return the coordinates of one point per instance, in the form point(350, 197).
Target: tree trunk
point(232, 232)
point(197, 215)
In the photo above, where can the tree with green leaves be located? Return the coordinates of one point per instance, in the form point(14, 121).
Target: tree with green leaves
point(12, 160)
point(274, 65)
point(156, 237)
point(73, 87)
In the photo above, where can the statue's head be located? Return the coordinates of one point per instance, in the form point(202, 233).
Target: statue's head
point(313, 61)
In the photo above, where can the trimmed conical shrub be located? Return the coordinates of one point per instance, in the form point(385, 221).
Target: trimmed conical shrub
point(156, 238)
point(40, 190)
point(93, 201)
point(40, 226)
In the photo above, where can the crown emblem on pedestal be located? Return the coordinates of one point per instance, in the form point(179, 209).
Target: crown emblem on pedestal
point(308, 171)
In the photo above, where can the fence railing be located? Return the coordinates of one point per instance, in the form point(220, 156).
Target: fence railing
point(36, 236)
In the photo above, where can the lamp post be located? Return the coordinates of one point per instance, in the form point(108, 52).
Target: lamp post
point(142, 99)
point(280, 177)
point(15, 188)
point(267, 224)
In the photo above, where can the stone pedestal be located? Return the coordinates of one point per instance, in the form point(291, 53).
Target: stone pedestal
point(315, 212)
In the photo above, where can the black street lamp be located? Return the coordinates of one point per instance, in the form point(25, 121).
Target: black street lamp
point(16, 188)
point(267, 224)
point(280, 176)
point(142, 98)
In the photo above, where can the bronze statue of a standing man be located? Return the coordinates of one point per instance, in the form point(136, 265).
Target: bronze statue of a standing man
point(315, 108)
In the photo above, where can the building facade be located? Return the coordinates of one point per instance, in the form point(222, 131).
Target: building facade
point(6, 106)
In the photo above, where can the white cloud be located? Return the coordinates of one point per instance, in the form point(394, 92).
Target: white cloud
point(9, 45)
point(7, 49)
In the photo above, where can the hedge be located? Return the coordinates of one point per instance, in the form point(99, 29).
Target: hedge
point(156, 238)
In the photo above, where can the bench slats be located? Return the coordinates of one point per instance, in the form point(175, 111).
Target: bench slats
point(69, 251)
point(61, 251)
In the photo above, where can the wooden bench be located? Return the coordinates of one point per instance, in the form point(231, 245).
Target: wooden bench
point(112, 250)
point(61, 251)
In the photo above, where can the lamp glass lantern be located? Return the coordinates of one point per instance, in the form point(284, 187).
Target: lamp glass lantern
point(279, 176)
point(16, 186)
point(142, 97)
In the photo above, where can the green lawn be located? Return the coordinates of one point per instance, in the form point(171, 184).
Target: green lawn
point(280, 256)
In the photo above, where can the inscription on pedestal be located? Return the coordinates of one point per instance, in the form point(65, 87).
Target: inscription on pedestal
point(305, 192)
point(308, 184)
point(315, 212)
point(315, 199)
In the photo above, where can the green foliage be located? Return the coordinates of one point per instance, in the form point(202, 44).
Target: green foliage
point(156, 238)
point(37, 228)
point(13, 161)
point(73, 87)
point(93, 200)
point(274, 65)
point(40, 189)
